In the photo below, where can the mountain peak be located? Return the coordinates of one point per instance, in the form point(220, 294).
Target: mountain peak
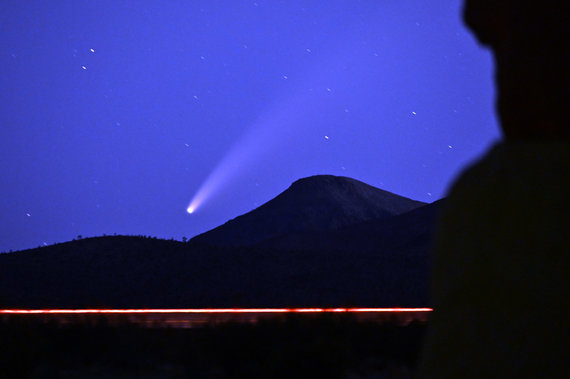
point(320, 202)
point(339, 184)
point(324, 182)
point(322, 178)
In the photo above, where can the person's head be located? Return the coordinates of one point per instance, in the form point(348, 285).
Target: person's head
point(530, 41)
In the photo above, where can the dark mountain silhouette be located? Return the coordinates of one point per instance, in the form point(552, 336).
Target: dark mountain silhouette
point(379, 262)
point(316, 203)
point(373, 235)
point(389, 255)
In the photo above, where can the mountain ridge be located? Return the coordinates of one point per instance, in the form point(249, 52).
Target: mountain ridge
point(379, 262)
point(319, 202)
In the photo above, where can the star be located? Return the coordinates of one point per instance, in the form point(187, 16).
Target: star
point(326, 137)
point(92, 50)
point(83, 67)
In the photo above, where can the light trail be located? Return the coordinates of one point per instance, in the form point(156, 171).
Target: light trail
point(215, 310)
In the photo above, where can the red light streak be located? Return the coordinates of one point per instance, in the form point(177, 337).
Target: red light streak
point(216, 310)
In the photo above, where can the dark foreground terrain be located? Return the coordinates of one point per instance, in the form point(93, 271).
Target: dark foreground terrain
point(324, 242)
point(324, 346)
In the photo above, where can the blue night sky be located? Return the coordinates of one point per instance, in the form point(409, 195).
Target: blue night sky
point(114, 114)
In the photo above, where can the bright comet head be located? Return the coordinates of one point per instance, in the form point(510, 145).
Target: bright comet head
point(194, 204)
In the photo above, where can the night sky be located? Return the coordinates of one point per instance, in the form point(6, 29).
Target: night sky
point(114, 114)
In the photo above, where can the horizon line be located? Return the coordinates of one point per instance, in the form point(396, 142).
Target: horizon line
point(213, 310)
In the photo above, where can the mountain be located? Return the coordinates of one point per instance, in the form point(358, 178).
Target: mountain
point(316, 203)
point(414, 227)
point(387, 259)
point(376, 258)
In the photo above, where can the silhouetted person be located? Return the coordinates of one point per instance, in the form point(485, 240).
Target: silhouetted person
point(501, 261)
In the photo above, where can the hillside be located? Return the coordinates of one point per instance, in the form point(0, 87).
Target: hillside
point(316, 203)
point(379, 262)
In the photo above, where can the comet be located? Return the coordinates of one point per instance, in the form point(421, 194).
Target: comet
point(305, 104)
point(270, 130)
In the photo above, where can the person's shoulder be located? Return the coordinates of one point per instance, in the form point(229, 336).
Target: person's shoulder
point(510, 165)
point(512, 179)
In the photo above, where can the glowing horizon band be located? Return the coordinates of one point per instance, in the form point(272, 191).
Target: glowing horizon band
point(214, 310)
